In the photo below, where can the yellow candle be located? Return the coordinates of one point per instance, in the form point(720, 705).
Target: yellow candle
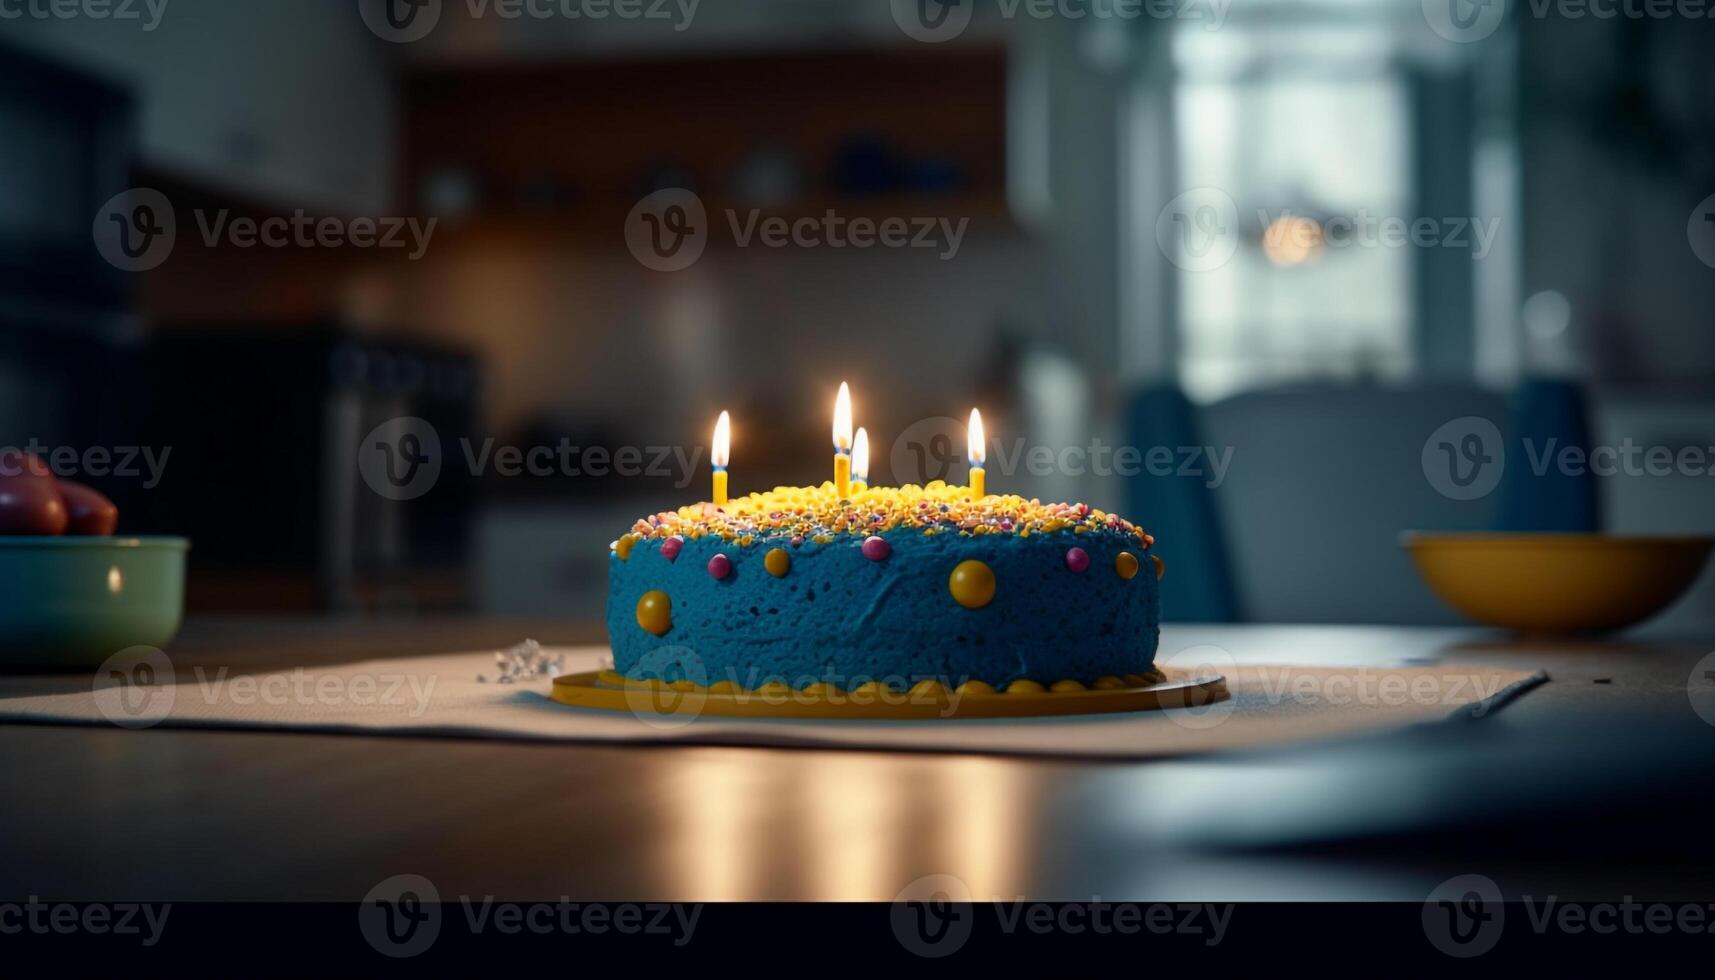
point(843, 442)
point(860, 461)
point(720, 452)
point(977, 453)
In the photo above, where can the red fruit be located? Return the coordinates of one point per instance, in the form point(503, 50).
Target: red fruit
point(30, 500)
point(88, 511)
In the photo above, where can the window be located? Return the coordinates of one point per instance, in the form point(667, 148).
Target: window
point(1305, 124)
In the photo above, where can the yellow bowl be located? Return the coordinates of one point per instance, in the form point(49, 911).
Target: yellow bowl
point(1557, 583)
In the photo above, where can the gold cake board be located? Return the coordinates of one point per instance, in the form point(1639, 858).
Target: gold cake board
point(608, 692)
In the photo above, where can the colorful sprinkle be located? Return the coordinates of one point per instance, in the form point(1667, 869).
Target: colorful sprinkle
point(817, 514)
point(1077, 559)
point(876, 548)
point(1125, 563)
point(670, 548)
point(972, 584)
point(778, 562)
point(720, 566)
point(655, 612)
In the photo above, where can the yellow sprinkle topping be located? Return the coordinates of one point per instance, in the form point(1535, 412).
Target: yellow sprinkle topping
point(818, 514)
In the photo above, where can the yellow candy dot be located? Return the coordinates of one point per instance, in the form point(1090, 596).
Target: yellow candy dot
point(976, 687)
point(972, 584)
point(623, 546)
point(1160, 567)
point(1024, 687)
point(655, 612)
point(1125, 563)
point(1067, 687)
point(777, 561)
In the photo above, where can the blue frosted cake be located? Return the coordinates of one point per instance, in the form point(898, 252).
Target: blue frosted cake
point(895, 586)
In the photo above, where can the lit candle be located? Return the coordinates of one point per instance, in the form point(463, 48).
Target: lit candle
point(977, 454)
point(720, 452)
point(843, 442)
point(860, 461)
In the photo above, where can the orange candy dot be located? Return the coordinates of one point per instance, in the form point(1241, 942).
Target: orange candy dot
point(1125, 563)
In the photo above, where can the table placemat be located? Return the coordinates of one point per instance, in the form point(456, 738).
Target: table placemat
point(1271, 705)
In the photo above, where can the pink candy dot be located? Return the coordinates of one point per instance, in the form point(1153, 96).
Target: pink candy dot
point(1077, 559)
point(876, 549)
point(720, 566)
point(670, 547)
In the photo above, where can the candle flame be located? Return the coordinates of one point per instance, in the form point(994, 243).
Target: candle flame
point(843, 419)
point(977, 450)
point(720, 452)
point(860, 456)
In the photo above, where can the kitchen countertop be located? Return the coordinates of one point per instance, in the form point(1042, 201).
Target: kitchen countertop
point(1588, 785)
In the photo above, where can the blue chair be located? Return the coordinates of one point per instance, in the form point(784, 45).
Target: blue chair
point(1305, 524)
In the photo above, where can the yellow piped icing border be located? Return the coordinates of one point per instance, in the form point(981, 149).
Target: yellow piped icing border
point(879, 690)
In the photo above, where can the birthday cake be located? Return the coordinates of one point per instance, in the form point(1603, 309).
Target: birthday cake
point(894, 586)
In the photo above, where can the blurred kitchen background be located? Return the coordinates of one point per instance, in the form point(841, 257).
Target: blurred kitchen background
point(1069, 314)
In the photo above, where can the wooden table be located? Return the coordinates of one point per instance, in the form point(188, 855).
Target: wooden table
point(182, 815)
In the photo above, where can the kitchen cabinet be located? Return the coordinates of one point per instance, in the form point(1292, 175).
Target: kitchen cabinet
point(301, 115)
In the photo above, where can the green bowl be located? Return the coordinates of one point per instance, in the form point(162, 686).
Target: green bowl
point(75, 601)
